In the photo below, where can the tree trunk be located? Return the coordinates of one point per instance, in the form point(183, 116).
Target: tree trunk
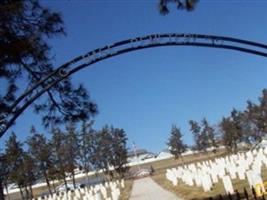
point(65, 182)
point(73, 179)
point(120, 172)
point(235, 147)
point(108, 172)
point(97, 177)
point(47, 183)
point(21, 193)
point(182, 160)
point(54, 187)
point(87, 176)
point(2, 196)
point(8, 197)
point(27, 193)
point(31, 192)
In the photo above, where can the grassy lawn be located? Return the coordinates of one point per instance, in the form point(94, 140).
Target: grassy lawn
point(197, 193)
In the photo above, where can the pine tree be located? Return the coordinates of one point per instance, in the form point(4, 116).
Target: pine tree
point(204, 135)
point(14, 158)
point(59, 155)
point(41, 153)
point(87, 147)
point(30, 174)
point(196, 130)
point(4, 174)
point(188, 5)
point(26, 27)
point(235, 129)
point(71, 150)
point(209, 134)
point(230, 137)
point(103, 150)
point(257, 116)
point(110, 150)
point(175, 143)
point(119, 151)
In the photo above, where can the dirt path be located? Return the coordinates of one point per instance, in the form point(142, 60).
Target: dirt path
point(147, 189)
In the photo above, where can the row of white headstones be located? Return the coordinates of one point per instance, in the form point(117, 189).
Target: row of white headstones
point(106, 191)
point(245, 166)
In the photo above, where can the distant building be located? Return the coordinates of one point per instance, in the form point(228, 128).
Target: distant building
point(142, 173)
point(139, 155)
point(188, 152)
point(164, 154)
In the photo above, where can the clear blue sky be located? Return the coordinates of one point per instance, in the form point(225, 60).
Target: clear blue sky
point(145, 92)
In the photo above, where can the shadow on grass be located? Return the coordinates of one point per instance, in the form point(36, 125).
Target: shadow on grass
point(244, 195)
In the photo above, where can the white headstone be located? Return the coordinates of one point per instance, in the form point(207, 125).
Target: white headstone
point(227, 183)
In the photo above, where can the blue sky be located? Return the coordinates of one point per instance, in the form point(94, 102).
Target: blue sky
point(147, 91)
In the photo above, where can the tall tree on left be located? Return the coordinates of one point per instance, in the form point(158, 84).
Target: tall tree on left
point(4, 172)
point(25, 59)
point(14, 159)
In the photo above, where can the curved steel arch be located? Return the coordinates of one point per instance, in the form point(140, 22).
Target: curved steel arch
point(125, 46)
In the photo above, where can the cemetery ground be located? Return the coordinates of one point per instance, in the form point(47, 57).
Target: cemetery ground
point(159, 177)
point(196, 193)
point(124, 192)
point(40, 190)
point(161, 165)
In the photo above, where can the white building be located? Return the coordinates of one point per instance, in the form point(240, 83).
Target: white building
point(139, 155)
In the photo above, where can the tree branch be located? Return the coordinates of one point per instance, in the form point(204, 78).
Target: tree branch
point(43, 85)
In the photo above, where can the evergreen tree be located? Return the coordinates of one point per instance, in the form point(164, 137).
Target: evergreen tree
point(175, 143)
point(230, 136)
point(188, 5)
point(87, 147)
point(14, 158)
point(26, 173)
point(204, 135)
point(257, 116)
point(236, 129)
point(247, 131)
point(71, 151)
point(119, 151)
point(30, 174)
point(243, 129)
point(110, 150)
point(59, 155)
point(4, 174)
point(25, 28)
point(103, 150)
point(41, 152)
point(196, 130)
point(209, 134)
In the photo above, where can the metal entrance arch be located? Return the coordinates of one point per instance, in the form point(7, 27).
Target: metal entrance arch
point(118, 48)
